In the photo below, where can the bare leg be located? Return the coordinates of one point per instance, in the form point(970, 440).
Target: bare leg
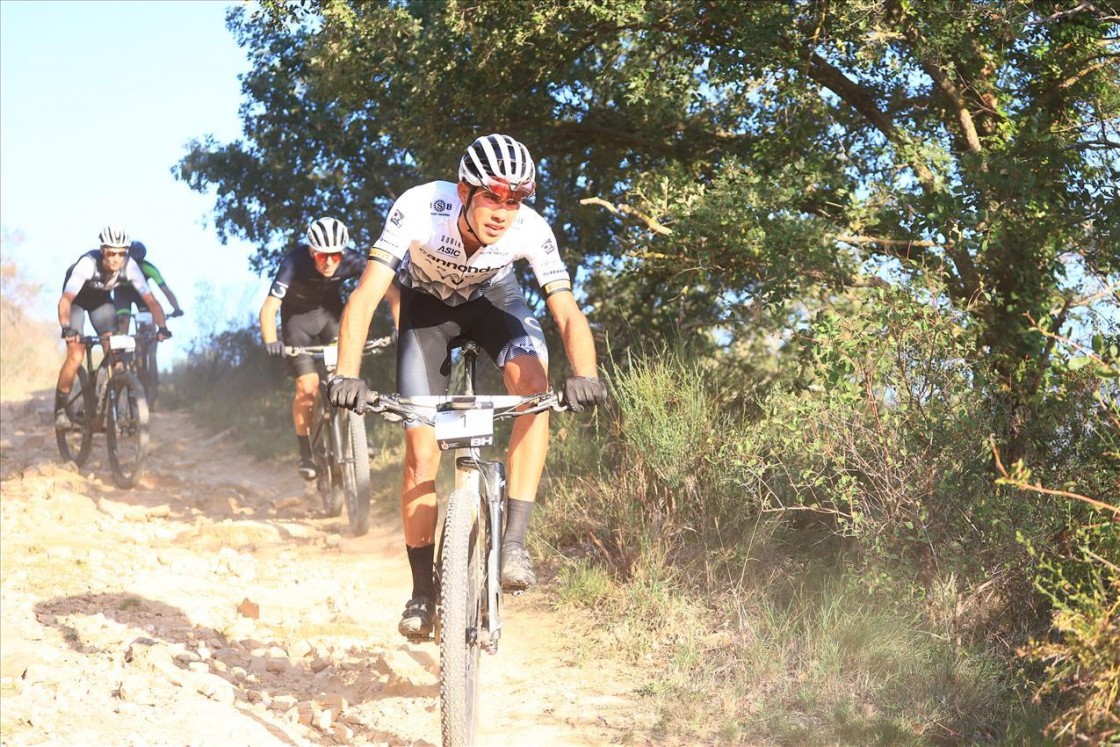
point(418, 492)
point(528, 444)
point(306, 387)
point(75, 352)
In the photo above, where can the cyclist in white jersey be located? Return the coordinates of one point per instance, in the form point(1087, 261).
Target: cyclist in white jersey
point(87, 289)
point(452, 248)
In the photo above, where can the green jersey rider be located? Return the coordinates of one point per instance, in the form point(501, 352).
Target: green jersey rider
point(124, 297)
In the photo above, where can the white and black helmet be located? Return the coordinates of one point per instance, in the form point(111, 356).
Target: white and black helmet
point(114, 236)
point(327, 235)
point(499, 163)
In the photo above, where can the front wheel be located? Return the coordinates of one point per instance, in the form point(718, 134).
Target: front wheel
point(325, 452)
point(127, 429)
point(462, 577)
point(149, 377)
point(355, 470)
point(76, 442)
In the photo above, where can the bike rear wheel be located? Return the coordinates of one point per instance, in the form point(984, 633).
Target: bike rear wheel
point(355, 470)
point(127, 429)
point(462, 577)
point(76, 442)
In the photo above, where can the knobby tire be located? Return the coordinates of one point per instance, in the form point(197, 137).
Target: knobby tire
point(150, 379)
point(76, 442)
point(126, 429)
point(355, 471)
point(462, 572)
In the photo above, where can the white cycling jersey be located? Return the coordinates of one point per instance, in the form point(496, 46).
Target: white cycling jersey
point(87, 273)
point(422, 239)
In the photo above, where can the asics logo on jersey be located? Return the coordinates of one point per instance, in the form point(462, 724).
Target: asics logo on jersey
point(449, 251)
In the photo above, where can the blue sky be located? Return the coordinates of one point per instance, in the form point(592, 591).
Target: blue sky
point(98, 101)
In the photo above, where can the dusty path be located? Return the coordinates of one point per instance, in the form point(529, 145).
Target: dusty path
point(213, 605)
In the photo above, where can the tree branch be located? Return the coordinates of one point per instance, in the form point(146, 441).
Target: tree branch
point(1023, 485)
point(859, 99)
point(622, 209)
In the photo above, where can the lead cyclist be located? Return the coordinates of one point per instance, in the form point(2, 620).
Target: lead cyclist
point(452, 247)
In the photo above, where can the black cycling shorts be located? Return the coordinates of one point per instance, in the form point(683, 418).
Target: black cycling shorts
point(98, 305)
point(500, 322)
point(124, 296)
point(318, 326)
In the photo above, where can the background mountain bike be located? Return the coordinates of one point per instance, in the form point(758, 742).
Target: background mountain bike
point(468, 566)
point(147, 345)
point(338, 443)
point(109, 399)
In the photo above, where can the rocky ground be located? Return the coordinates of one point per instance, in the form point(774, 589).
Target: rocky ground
point(214, 605)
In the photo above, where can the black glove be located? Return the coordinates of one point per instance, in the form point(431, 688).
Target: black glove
point(163, 333)
point(274, 349)
point(175, 313)
point(584, 391)
point(69, 332)
point(349, 392)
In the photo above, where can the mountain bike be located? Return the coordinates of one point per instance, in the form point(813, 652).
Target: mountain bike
point(108, 398)
point(468, 564)
point(338, 443)
point(147, 342)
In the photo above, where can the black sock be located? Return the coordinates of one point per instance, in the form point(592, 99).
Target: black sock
point(304, 446)
point(60, 398)
point(517, 521)
point(422, 562)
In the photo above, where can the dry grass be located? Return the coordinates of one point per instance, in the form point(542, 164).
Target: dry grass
point(30, 351)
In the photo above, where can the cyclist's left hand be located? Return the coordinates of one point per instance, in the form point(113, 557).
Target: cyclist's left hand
point(584, 391)
point(163, 333)
point(349, 392)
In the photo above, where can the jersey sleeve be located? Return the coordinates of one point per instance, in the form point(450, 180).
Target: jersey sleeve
point(408, 220)
point(79, 276)
point(552, 274)
point(284, 277)
point(134, 275)
point(151, 272)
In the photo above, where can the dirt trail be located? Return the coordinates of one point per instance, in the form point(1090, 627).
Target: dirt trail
point(213, 605)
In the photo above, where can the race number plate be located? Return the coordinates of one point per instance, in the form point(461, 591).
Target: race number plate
point(461, 429)
point(330, 356)
point(122, 342)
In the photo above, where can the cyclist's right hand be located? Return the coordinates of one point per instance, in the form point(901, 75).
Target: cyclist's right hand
point(69, 333)
point(348, 392)
point(274, 349)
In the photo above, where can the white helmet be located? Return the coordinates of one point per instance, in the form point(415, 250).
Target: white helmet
point(500, 164)
point(114, 236)
point(327, 235)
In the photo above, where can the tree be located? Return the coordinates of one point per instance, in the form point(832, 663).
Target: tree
point(697, 155)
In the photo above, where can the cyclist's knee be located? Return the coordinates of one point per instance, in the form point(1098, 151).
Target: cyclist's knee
point(525, 375)
point(421, 453)
point(306, 386)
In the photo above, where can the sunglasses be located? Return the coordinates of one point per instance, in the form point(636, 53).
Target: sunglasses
point(115, 252)
point(327, 256)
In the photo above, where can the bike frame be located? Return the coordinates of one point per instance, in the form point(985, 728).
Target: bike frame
point(485, 480)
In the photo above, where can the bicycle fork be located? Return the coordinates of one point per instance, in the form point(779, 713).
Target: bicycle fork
point(489, 482)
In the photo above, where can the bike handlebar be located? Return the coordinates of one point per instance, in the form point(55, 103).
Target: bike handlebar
point(316, 351)
point(396, 407)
